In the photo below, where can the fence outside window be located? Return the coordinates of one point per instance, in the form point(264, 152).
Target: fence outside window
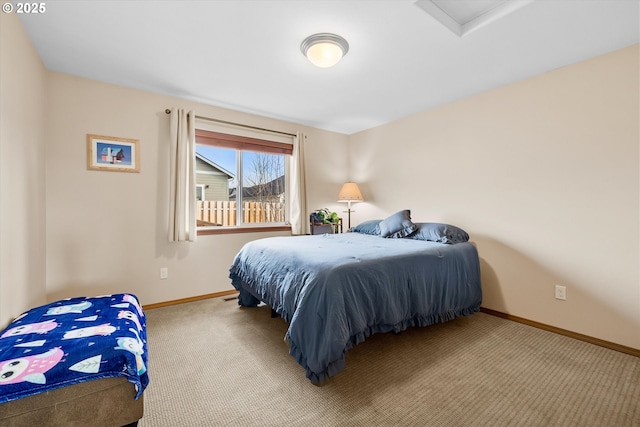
point(211, 213)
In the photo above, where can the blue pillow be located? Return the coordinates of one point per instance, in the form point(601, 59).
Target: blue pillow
point(397, 225)
point(436, 232)
point(368, 227)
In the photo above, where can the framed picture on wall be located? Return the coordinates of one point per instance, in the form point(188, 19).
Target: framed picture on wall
point(108, 153)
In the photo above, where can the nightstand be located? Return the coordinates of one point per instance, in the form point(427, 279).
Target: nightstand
point(321, 228)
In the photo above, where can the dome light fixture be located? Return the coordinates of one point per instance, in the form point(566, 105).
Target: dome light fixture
point(324, 49)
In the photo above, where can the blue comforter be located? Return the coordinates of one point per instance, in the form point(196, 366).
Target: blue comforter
point(337, 289)
point(72, 341)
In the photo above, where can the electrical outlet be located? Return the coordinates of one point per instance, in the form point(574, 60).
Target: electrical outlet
point(164, 273)
point(561, 292)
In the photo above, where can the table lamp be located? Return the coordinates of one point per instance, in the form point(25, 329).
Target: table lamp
point(349, 193)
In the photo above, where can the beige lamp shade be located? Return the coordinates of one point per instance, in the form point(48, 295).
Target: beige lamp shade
point(350, 193)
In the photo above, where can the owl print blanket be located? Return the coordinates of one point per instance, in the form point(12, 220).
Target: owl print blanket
point(72, 341)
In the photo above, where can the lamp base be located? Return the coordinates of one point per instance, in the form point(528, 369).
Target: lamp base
point(348, 211)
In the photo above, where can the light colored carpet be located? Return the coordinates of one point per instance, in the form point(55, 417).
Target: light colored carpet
point(212, 363)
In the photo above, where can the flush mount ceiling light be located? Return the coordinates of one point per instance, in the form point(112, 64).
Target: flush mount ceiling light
point(324, 49)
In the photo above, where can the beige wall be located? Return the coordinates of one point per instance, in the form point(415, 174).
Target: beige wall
point(544, 175)
point(22, 184)
point(107, 231)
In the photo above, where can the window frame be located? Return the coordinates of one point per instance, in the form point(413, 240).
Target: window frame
point(246, 143)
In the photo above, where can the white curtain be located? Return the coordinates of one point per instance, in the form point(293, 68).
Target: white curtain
point(298, 195)
point(182, 208)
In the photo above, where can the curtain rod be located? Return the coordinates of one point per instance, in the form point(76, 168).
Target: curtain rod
point(168, 111)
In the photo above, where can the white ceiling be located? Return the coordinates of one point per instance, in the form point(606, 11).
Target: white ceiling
point(245, 55)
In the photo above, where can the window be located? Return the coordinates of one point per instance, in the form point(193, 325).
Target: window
point(200, 192)
point(241, 181)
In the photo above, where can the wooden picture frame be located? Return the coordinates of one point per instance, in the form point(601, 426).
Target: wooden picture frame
point(109, 153)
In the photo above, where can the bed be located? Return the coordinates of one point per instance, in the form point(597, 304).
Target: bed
point(335, 290)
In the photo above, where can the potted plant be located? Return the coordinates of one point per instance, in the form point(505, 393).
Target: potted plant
point(323, 216)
